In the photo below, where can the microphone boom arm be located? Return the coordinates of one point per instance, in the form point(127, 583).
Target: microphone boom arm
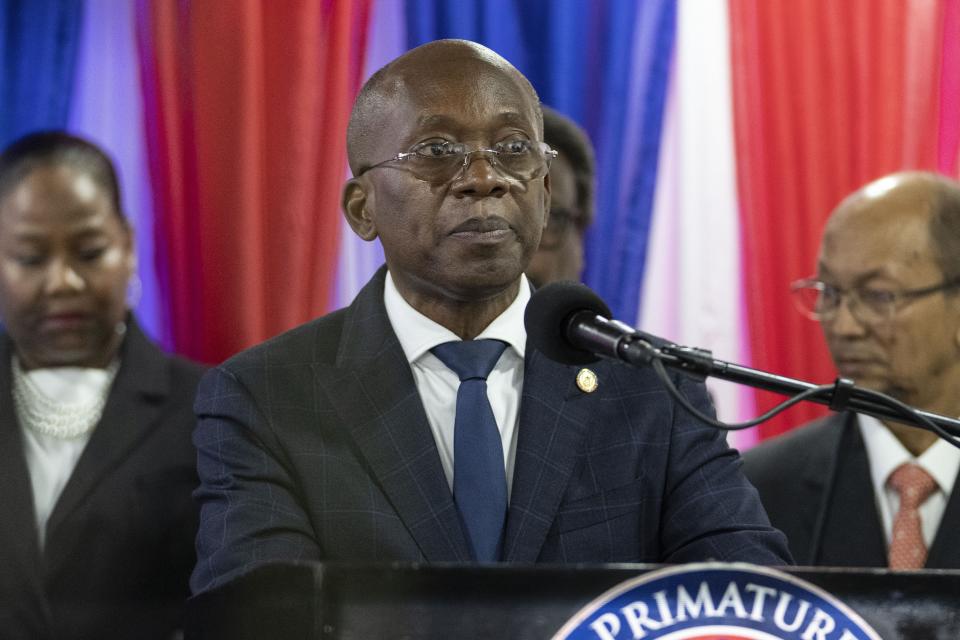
point(614, 339)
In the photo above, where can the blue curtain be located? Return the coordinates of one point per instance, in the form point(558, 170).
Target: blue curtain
point(38, 51)
point(605, 64)
point(495, 23)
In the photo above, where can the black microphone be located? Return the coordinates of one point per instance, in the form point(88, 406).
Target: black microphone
point(570, 324)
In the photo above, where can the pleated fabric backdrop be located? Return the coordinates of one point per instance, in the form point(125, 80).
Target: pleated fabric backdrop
point(827, 96)
point(245, 129)
point(725, 133)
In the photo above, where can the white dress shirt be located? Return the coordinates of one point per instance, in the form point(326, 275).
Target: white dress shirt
point(57, 411)
point(438, 385)
point(885, 453)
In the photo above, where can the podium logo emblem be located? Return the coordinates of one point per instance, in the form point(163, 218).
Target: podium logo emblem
point(714, 601)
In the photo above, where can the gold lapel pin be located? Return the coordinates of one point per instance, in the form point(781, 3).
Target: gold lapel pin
point(587, 381)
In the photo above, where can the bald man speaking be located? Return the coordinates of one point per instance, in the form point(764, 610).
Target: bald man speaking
point(417, 424)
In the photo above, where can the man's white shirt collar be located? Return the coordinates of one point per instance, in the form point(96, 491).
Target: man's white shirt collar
point(941, 460)
point(418, 333)
point(438, 385)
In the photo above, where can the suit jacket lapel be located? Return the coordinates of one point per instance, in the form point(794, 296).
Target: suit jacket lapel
point(853, 535)
point(944, 552)
point(18, 524)
point(373, 391)
point(852, 531)
point(550, 433)
point(129, 415)
point(813, 492)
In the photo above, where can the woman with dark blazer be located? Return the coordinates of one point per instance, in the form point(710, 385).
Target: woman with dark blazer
point(96, 465)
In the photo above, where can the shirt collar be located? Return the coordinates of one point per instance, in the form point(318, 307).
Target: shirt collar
point(418, 334)
point(941, 460)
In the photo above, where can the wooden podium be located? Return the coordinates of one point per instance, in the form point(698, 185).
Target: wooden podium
point(433, 602)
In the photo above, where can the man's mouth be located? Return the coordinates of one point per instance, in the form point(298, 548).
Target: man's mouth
point(857, 365)
point(491, 228)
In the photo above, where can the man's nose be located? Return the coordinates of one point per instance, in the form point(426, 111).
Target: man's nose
point(480, 177)
point(62, 277)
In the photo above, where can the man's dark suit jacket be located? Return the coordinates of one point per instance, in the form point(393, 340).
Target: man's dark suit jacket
point(316, 446)
point(815, 484)
point(119, 544)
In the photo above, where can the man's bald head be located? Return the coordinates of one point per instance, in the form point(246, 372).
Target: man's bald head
point(912, 193)
point(418, 73)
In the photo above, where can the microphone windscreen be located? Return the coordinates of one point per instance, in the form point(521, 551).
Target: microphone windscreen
point(548, 317)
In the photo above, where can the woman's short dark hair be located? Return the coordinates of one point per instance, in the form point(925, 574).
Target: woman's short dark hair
point(57, 148)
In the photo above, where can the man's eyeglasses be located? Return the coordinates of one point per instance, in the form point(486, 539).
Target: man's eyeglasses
point(440, 162)
point(820, 301)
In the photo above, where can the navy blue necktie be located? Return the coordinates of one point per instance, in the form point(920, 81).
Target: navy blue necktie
point(479, 479)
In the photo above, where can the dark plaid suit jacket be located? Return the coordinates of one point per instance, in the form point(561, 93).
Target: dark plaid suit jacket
point(315, 446)
point(815, 483)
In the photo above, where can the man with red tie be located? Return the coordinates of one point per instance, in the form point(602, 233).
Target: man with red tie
point(852, 490)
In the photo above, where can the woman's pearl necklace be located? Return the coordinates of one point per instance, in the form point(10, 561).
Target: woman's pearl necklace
point(62, 420)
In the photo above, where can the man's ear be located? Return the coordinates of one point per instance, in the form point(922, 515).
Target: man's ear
point(356, 205)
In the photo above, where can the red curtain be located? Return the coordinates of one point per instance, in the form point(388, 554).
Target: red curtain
point(827, 96)
point(246, 112)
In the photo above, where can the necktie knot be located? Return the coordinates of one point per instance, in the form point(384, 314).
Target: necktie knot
point(913, 484)
point(470, 359)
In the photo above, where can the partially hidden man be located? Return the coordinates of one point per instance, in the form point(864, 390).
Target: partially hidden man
point(572, 182)
point(849, 489)
point(417, 424)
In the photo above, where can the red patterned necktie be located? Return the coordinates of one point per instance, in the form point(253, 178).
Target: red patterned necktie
point(914, 485)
